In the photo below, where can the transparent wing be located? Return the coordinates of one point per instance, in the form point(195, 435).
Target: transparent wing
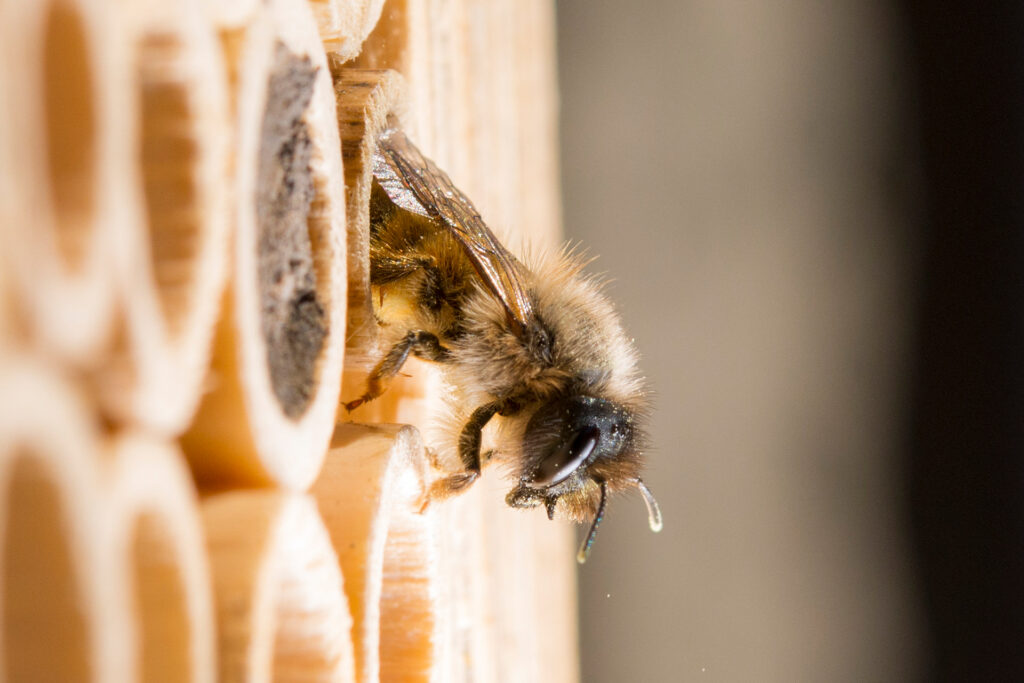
point(415, 183)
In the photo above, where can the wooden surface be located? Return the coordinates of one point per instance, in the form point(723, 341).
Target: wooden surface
point(281, 610)
point(311, 556)
point(369, 493)
point(153, 543)
point(171, 261)
point(242, 432)
point(63, 103)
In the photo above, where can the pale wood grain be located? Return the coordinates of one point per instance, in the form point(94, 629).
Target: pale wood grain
point(344, 24)
point(153, 539)
point(64, 104)
point(63, 613)
point(281, 610)
point(370, 493)
point(170, 265)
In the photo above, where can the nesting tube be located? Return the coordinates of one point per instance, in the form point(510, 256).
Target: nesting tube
point(370, 493)
point(369, 102)
point(280, 343)
point(153, 541)
point(63, 104)
point(281, 610)
point(171, 263)
point(55, 590)
point(344, 24)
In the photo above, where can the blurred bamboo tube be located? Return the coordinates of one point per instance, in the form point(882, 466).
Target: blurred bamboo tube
point(344, 24)
point(171, 265)
point(155, 544)
point(64, 102)
point(280, 342)
point(56, 592)
point(281, 609)
point(369, 493)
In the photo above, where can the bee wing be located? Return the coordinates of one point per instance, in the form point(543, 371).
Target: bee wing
point(415, 183)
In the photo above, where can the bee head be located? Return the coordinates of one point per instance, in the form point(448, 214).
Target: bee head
point(574, 445)
point(567, 435)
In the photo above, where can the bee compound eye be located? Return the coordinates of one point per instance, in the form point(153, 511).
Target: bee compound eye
point(565, 459)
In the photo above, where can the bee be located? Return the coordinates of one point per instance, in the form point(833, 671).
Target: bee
point(540, 347)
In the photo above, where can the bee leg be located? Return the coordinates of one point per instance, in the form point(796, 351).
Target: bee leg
point(421, 344)
point(524, 497)
point(469, 453)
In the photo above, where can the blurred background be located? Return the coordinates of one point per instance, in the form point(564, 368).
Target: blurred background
point(812, 214)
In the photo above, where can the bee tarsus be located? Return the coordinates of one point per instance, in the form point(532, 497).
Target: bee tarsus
point(421, 344)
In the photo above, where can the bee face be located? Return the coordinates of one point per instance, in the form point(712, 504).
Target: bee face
point(567, 435)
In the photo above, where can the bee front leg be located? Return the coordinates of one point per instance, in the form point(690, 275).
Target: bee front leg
point(469, 452)
point(421, 344)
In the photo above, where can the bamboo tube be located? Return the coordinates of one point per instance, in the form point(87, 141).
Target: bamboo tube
point(280, 342)
point(344, 24)
point(171, 265)
point(55, 589)
point(281, 610)
point(369, 102)
point(370, 492)
point(154, 543)
point(64, 105)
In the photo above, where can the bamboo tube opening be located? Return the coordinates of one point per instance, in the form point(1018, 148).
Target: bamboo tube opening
point(154, 547)
point(281, 609)
point(172, 258)
point(165, 652)
point(61, 618)
point(279, 348)
point(45, 630)
point(293, 319)
point(168, 158)
point(62, 91)
point(70, 130)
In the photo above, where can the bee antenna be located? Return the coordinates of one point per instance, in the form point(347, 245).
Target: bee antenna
point(653, 511)
point(581, 556)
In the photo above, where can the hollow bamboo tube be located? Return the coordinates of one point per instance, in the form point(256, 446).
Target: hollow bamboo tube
point(369, 102)
point(281, 610)
point(56, 623)
point(344, 24)
point(370, 492)
point(64, 104)
point(153, 540)
point(171, 264)
point(280, 343)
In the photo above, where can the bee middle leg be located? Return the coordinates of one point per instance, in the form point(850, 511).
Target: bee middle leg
point(421, 344)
